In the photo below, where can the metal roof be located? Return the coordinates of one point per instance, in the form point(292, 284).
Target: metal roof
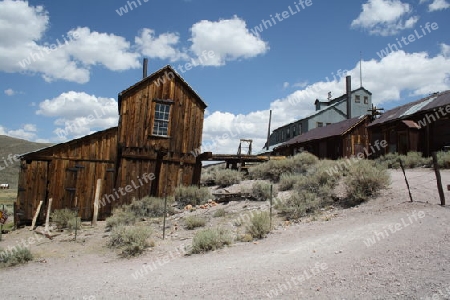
point(420, 106)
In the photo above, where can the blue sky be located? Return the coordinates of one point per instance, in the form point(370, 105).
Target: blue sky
point(86, 52)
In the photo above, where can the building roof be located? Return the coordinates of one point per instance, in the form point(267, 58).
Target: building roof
point(420, 106)
point(70, 142)
point(335, 129)
point(157, 75)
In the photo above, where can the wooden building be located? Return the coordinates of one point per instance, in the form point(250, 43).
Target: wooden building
point(422, 126)
point(149, 153)
point(342, 139)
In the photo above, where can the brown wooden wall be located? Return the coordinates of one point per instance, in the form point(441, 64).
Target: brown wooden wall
point(67, 173)
point(334, 147)
point(142, 152)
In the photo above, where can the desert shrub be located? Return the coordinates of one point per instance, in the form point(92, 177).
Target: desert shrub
point(193, 222)
point(304, 160)
point(273, 169)
point(15, 257)
point(121, 216)
point(192, 195)
point(259, 225)
point(245, 238)
point(444, 159)
point(210, 239)
point(74, 223)
point(288, 181)
point(337, 168)
point(132, 240)
point(149, 207)
point(299, 205)
point(209, 174)
point(318, 182)
point(227, 177)
point(64, 218)
point(415, 160)
point(389, 160)
point(365, 179)
point(261, 191)
point(219, 213)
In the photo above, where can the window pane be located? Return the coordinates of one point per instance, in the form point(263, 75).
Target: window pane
point(161, 124)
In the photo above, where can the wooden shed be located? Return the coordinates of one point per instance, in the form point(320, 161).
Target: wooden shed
point(342, 139)
point(148, 154)
point(422, 126)
point(67, 173)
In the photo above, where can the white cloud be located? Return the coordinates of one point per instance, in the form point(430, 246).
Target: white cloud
point(22, 47)
point(397, 74)
point(112, 51)
point(10, 92)
point(161, 47)
point(286, 85)
point(445, 50)
point(438, 5)
point(79, 114)
point(385, 17)
point(229, 40)
point(27, 132)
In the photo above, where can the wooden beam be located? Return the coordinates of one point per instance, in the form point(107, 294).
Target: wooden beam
point(33, 223)
point(47, 218)
point(96, 202)
point(438, 179)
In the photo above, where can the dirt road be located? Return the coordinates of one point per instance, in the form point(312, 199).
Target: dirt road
point(387, 248)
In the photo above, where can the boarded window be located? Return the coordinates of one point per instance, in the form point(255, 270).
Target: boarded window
point(161, 124)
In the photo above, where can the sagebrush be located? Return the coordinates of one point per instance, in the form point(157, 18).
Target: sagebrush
point(193, 222)
point(121, 216)
point(259, 225)
point(191, 195)
point(17, 256)
point(131, 240)
point(66, 218)
point(273, 169)
point(210, 239)
point(261, 191)
point(227, 177)
point(365, 179)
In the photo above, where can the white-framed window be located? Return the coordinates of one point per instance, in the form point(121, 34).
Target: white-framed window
point(366, 100)
point(161, 123)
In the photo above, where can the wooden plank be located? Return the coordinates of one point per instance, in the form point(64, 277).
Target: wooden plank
point(47, 217)
point(96, 202)
point(438, 179)
point(33, 223)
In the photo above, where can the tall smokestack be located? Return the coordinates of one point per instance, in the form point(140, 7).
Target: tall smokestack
point(349, 96)
point(144, 70)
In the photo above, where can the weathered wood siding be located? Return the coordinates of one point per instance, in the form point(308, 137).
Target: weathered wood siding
point(68, 173)
point(169, 158)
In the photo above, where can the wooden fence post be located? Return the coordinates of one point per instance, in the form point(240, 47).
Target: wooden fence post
point(406, 179)
point(47, 218)
point(438, 178)
point(33, 223)
point(96, 202)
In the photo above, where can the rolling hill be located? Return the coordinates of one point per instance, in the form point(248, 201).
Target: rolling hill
point(13, 146)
